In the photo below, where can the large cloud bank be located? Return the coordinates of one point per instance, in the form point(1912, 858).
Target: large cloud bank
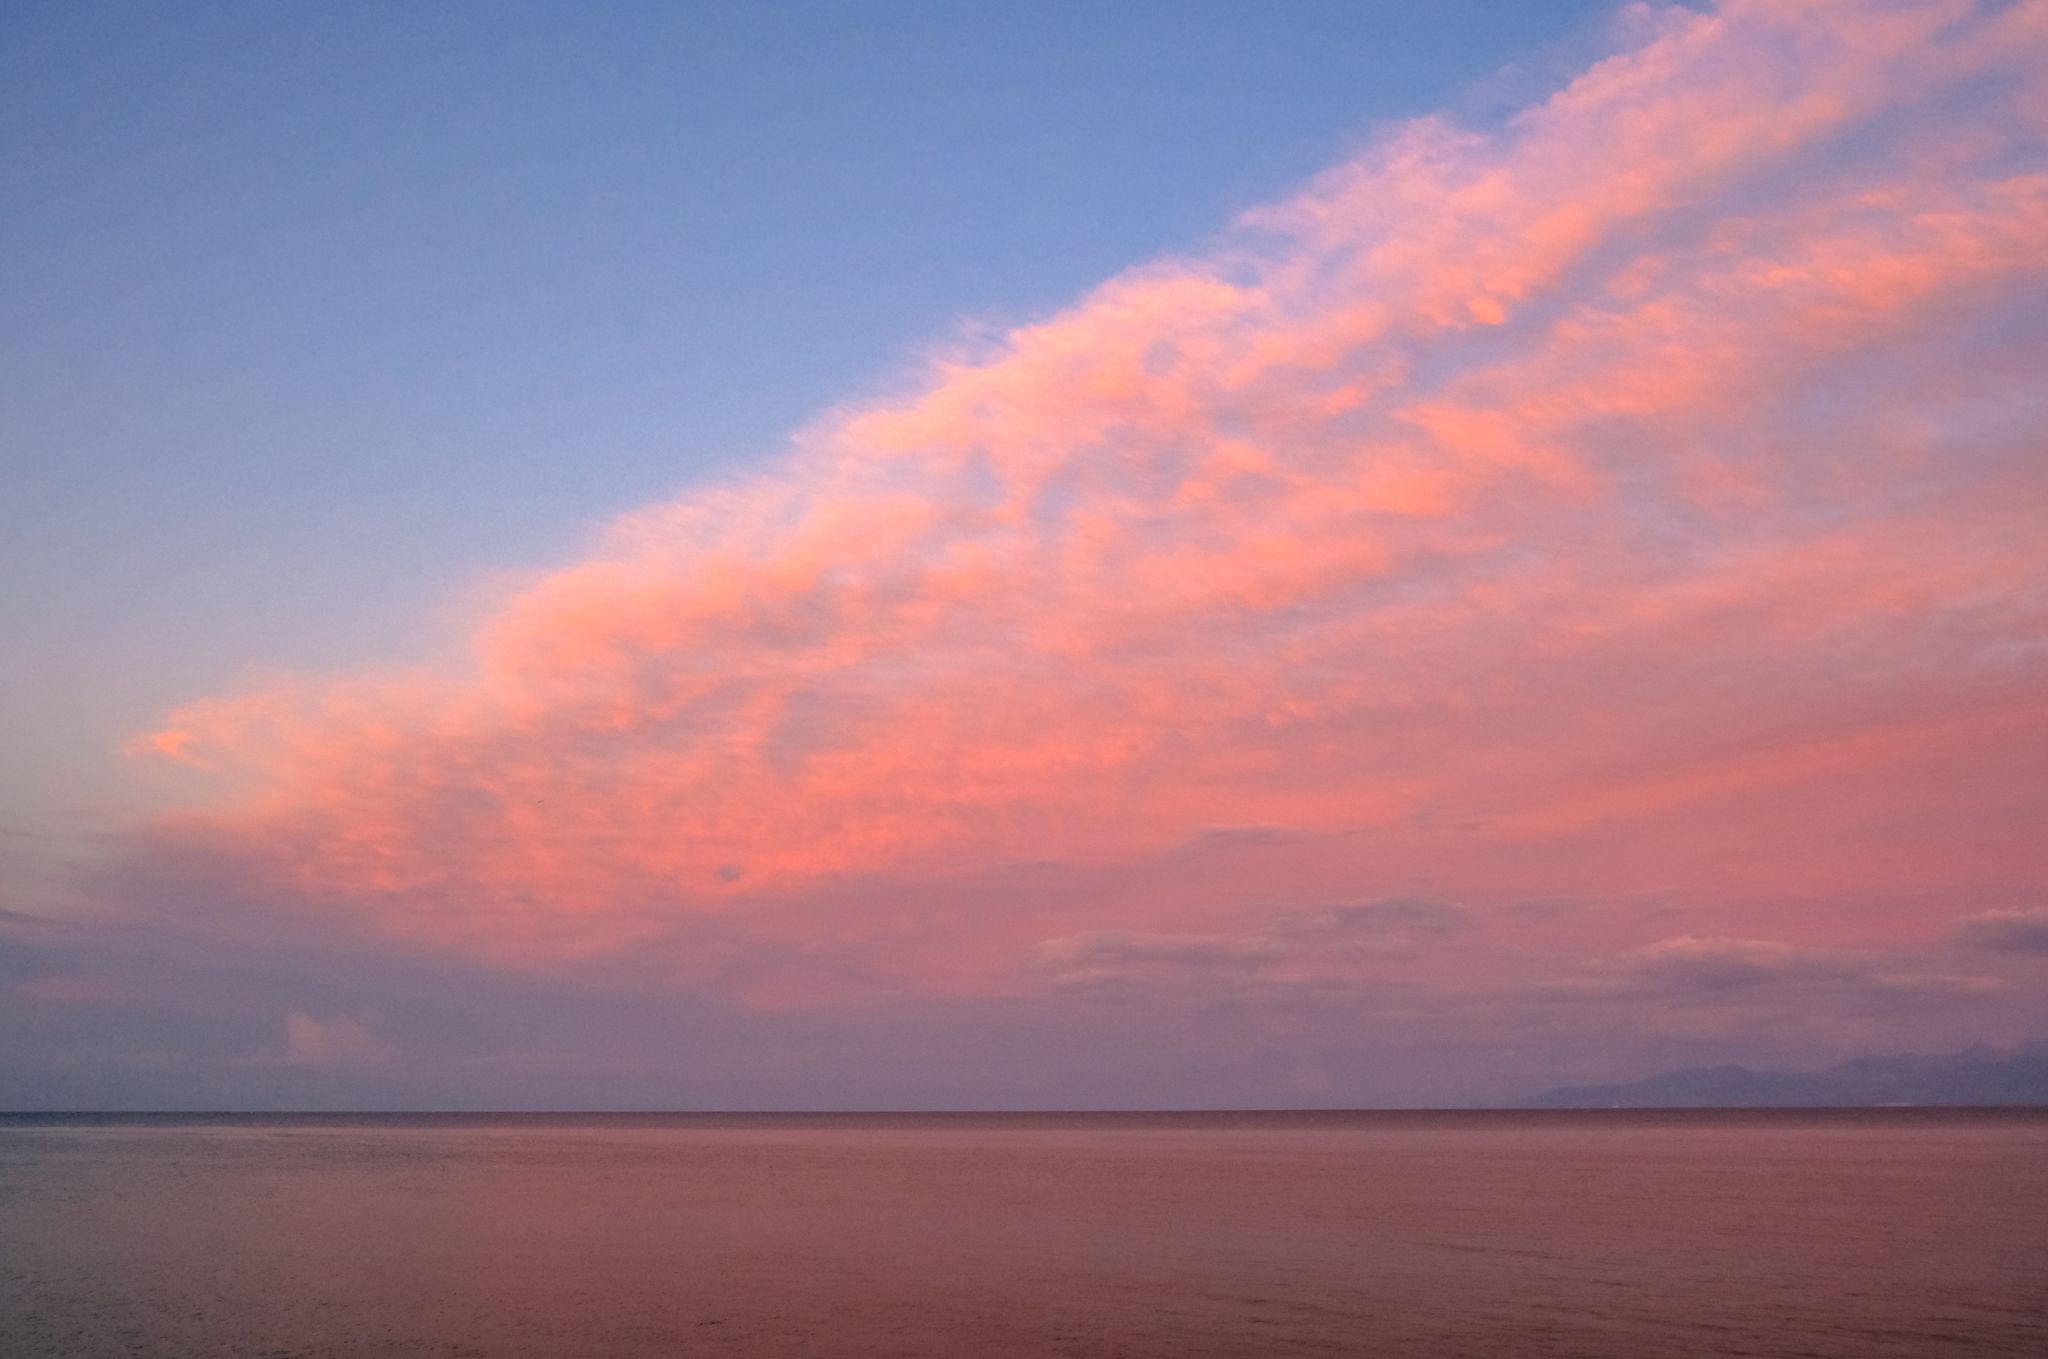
point(1642, 495)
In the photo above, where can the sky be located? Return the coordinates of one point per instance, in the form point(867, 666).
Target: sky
point(1192, 555)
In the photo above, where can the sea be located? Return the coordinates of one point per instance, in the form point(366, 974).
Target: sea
point(1910, 1233)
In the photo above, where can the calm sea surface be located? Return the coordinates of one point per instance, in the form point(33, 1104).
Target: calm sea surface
point(1627, 1234)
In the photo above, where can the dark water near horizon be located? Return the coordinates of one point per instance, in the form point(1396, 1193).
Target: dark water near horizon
point(1638, 1234)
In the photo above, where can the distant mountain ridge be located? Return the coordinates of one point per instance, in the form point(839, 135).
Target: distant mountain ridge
point(1975, 1076)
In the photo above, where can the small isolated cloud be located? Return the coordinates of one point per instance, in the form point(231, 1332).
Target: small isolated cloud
point(339, 1041)
point(2015, 931)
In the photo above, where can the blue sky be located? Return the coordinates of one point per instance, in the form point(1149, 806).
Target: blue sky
point(314, 313)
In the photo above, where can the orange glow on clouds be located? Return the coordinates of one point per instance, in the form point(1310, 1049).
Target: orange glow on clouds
point(1645, 493)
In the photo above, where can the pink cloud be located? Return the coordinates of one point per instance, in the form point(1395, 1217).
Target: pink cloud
point(311, 1041)
point(1644, 491)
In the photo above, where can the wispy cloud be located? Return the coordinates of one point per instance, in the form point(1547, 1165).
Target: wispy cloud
point(1700, 970)
point(2011, 931)
point(1330, 944)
